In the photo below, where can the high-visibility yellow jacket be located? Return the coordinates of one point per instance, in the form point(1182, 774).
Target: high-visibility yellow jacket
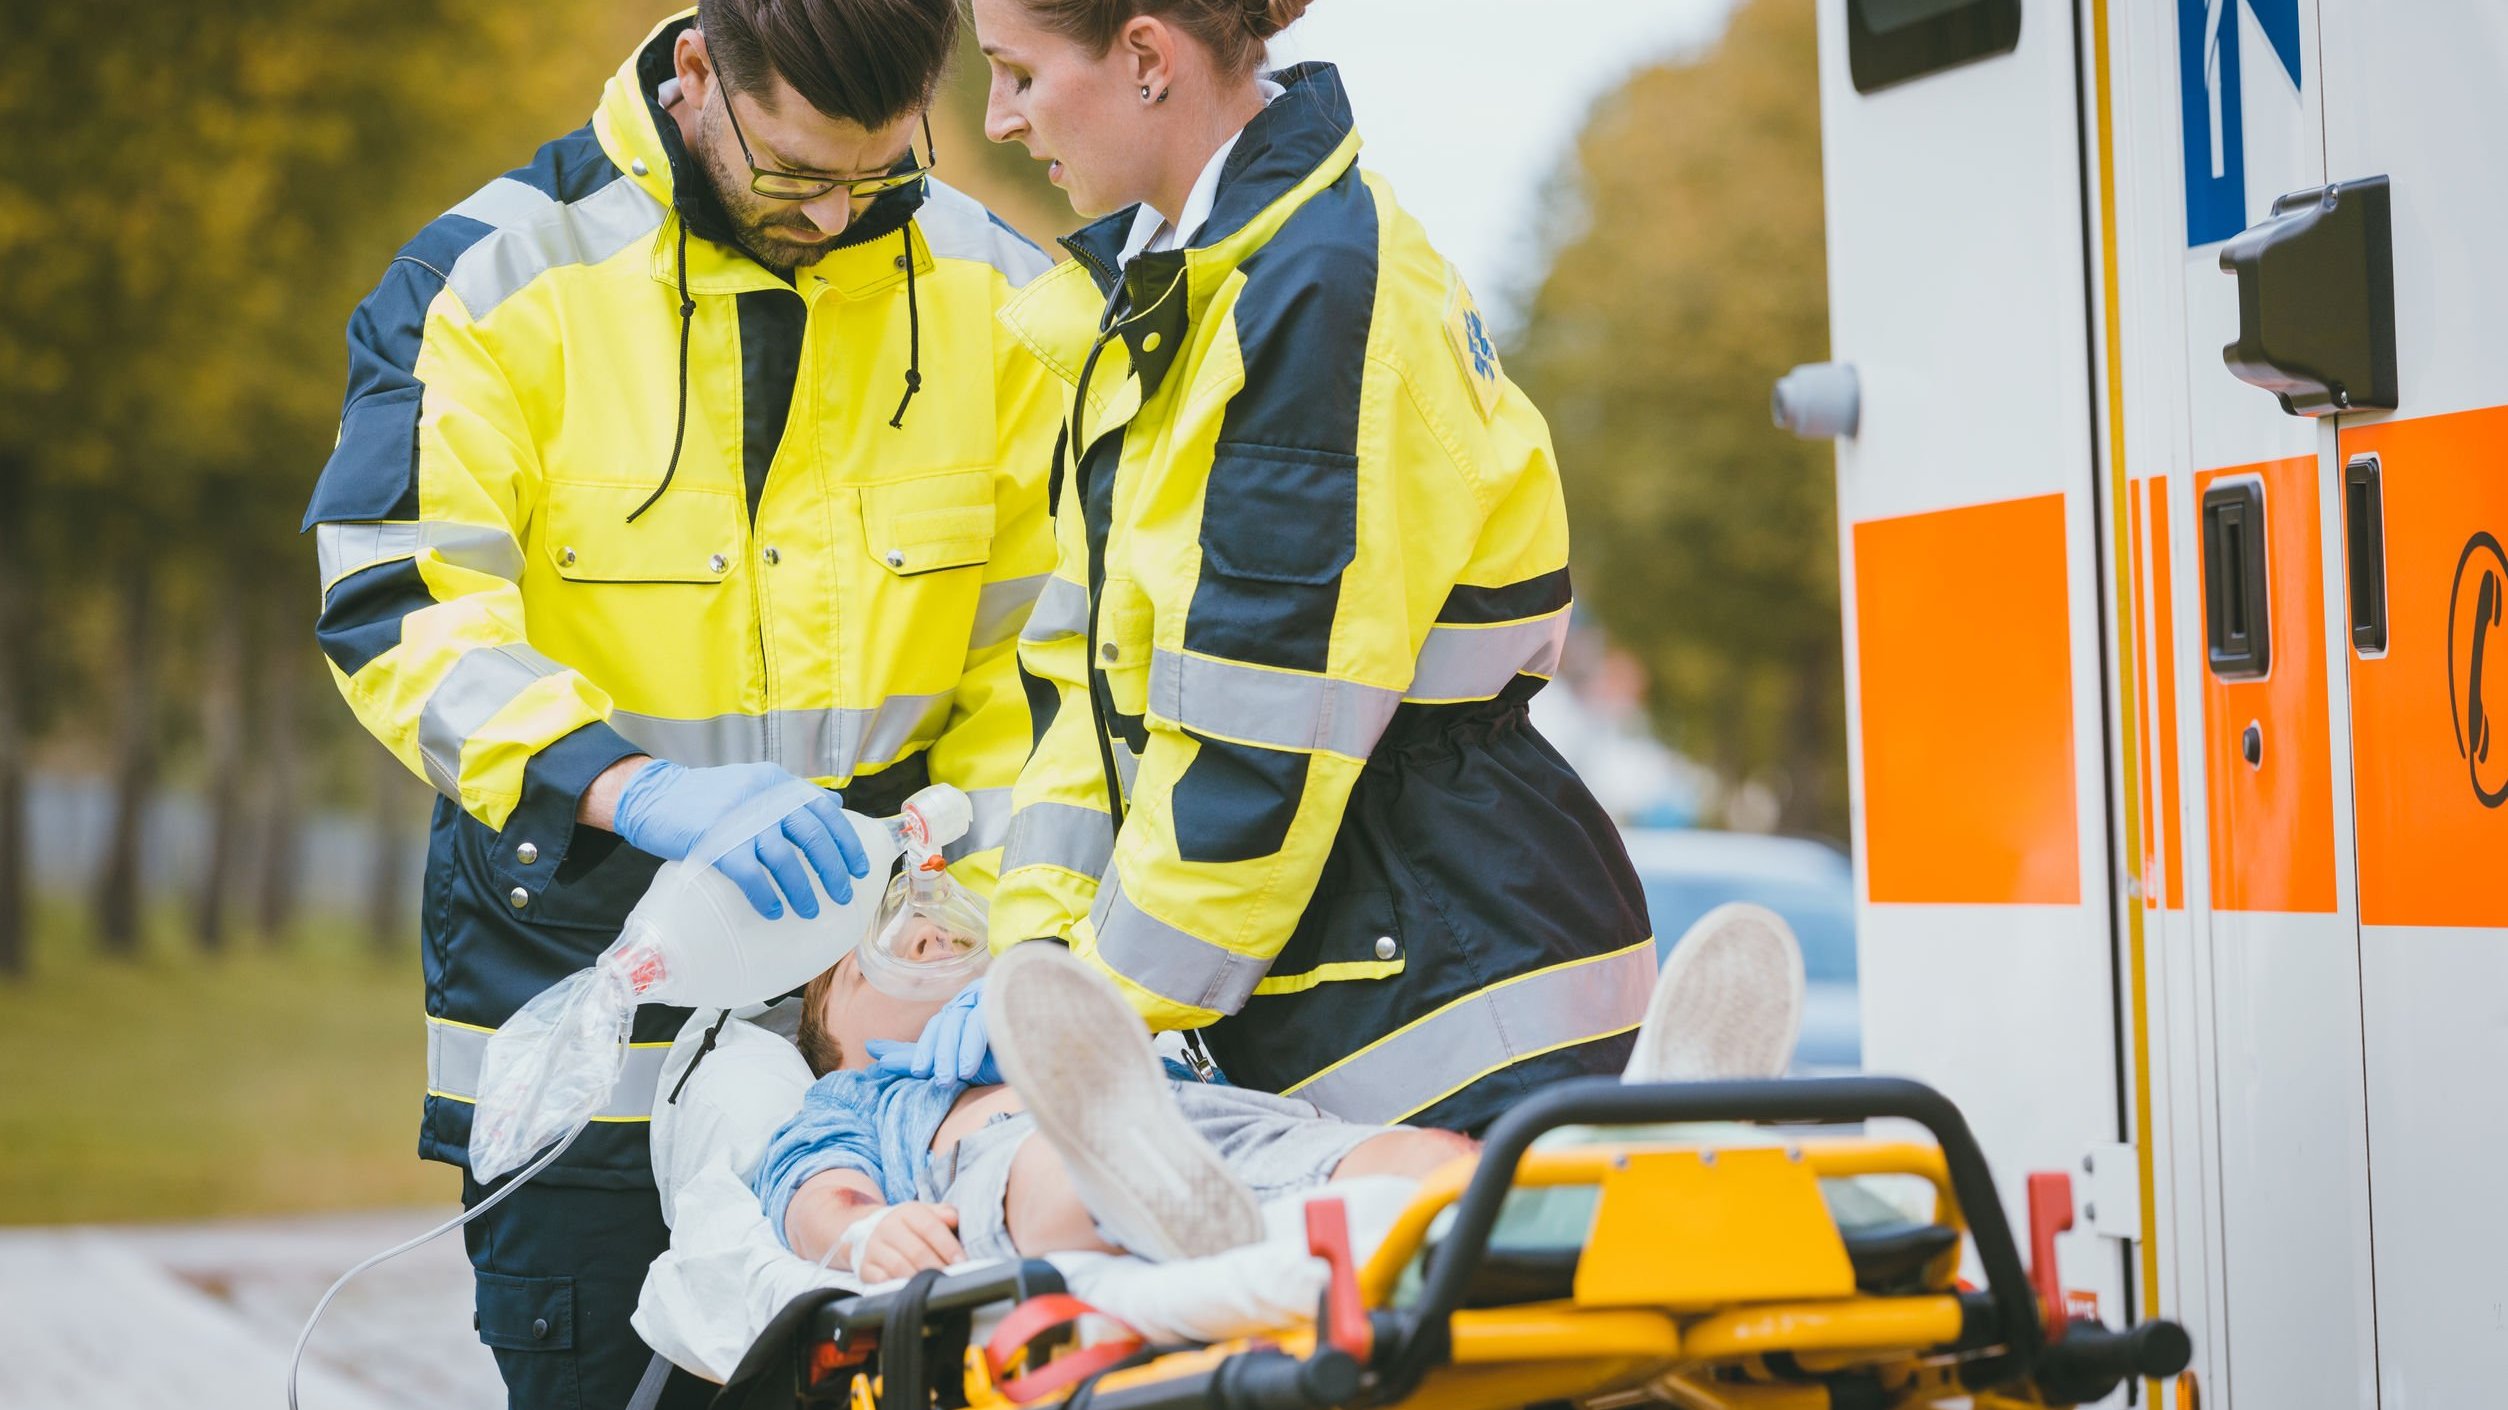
point(513, 599)
point(1313, 560)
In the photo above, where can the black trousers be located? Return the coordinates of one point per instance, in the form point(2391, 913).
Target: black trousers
point(558, 1269)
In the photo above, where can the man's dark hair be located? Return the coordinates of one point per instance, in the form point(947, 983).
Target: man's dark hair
point(867, 62)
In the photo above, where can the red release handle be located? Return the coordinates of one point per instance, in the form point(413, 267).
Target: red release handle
point(2050, 1213)
point(1032, 1319)
point(1345, 1323)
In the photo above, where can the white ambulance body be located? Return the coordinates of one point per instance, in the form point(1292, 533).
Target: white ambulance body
point(2180, 852)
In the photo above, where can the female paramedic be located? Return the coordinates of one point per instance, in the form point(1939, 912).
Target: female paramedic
point(1313, 562)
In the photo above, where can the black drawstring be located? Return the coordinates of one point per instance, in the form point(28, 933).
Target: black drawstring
point(702, 1049)
point(687, 320)
point(914, 334)
point(1101, 705)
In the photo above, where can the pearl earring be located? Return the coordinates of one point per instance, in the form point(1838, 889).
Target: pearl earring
point(1145, 96)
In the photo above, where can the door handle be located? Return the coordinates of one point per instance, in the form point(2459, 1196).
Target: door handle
point(2364, 552)
point(2237, 598)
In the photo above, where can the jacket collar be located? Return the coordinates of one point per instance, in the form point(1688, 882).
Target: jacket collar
point(644, 142)
point(1293, 148)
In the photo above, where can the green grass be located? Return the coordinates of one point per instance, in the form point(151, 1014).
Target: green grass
point(178, 1086)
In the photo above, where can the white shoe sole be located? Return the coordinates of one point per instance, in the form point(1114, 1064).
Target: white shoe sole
point(1080, 1059)
point(1728, 1004)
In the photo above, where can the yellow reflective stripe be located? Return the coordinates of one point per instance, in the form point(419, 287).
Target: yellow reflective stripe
point(603, 1120)
point(1432, 1057)
point(455, 1052)
point(1334, 973)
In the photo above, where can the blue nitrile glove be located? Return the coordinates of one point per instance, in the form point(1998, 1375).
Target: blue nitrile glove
point(953, 1047)
point(666, 809)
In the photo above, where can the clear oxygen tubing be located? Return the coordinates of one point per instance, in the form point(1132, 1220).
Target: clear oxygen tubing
point(296, 1358)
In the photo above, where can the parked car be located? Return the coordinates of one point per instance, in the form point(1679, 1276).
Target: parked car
point(1688, 872)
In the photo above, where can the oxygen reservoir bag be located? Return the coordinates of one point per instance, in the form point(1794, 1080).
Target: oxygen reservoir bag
point(694, 941)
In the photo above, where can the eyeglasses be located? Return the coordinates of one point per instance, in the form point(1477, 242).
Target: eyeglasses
point(792, 186)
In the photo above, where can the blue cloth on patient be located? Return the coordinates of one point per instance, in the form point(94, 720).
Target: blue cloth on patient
point(879, 1121)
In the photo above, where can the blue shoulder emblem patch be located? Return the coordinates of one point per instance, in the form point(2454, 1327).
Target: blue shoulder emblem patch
point(1473, 350)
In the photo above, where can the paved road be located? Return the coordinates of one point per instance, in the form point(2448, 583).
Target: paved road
point(202, 1316)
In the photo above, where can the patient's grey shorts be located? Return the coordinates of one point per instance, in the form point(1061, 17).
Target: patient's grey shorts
point(1276, 1145)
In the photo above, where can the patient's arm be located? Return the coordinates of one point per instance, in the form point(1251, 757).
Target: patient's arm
point(826, 1205)
point(911, 1238)
point(903, 1238)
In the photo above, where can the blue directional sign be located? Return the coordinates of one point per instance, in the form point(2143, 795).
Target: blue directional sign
point(2208, 73)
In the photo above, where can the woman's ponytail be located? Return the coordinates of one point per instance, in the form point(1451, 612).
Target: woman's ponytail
point(1234, 31)
point(1265, 18)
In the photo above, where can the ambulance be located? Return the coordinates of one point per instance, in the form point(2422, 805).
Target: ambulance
point(2169, 377)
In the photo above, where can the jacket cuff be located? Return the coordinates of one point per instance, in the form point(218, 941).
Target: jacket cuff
point(541, 829)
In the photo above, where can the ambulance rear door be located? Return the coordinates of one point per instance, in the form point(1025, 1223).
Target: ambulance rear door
point(2418, 94)
point(1970, 535)
point(2260, 1200)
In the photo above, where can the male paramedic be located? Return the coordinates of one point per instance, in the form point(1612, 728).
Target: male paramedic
point(682, 463)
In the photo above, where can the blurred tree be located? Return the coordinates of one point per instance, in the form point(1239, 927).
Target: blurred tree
point(15, 727)
point(216, 188)
point(1690, 275)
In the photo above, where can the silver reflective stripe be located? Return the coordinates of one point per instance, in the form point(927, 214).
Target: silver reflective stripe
point(956, 226)
point(1475, 663)
point(1174, 964)
point(1467, 1040)
point(812, 743)
point(1062, 610)
point(454, 1055)
point(1284, 709)
point(483, 682)
point(1293, 710)
point(990, 826)
point(1060, 835)
point(1001, 610)
point(534, 233)
point(352, 548)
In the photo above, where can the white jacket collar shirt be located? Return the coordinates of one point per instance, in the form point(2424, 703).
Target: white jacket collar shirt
point(1154, 232)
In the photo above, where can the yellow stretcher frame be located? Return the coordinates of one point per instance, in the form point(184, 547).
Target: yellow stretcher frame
point(1713, 1277)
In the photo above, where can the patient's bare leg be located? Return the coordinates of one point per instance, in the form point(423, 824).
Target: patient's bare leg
point(1041, 1208)
point(1409, 1151)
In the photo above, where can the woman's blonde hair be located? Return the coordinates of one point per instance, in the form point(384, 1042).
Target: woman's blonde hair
point(1234, 31)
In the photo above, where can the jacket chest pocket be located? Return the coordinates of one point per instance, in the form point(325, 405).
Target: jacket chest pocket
point(930, 523)
point(688, 535)
point(1125, 633)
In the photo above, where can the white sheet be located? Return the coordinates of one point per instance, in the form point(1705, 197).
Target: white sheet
point(725, 1274)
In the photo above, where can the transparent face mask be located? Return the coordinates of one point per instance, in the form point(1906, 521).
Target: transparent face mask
point(928, 939)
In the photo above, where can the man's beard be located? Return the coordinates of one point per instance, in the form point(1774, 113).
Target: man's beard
point(782, 245)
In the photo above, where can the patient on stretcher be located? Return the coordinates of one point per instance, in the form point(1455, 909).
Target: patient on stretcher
point(892, 1173)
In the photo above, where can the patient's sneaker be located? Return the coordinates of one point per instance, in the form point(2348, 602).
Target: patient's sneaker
point(1728, 1003)
point(1080, 1058)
